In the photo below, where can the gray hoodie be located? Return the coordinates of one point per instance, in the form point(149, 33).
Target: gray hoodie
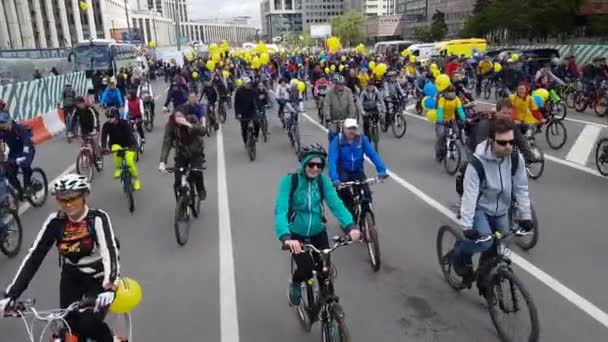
point(495, 196)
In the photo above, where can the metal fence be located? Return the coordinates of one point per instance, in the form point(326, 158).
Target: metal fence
point(35, 53)
point(583, 52)
point(32, 98)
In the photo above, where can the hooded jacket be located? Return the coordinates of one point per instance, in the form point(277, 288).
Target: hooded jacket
point(349, 157)
point(307, 219)
point(495, 195)
point(525, 109)
point(339, 105)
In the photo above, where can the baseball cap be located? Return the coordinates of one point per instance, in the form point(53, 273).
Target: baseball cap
point(351, 123)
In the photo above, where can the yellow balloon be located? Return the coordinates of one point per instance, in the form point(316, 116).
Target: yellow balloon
point(333, 44)
point(343, 58)
point(216, 57)
point(542, 93)
point(341, 67)
point(151, 44)
point(361, 48)
point(442, 82)
point(515, 57)
point(84, 6)
point(261, 47)
point(431, 115)
point(380, 70)
point(226, 74)
point(239, 82)
point(372, 65)
point(326, 70)
point(210, 65)
point(127, 297)
point(497, 67)
point(255, 63)
point(436, 73)
point(264, 58)
point(195, 75)
point(301, 86)
point(332, 68)
point(412, 59)
point(213, 48)
point(406, 52)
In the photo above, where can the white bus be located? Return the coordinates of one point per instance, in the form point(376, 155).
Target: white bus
point(393, 46)
point(103, 55)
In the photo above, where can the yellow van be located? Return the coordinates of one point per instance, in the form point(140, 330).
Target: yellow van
point(458, 47)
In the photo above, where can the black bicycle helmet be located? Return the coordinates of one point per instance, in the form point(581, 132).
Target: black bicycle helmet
point(311, 149)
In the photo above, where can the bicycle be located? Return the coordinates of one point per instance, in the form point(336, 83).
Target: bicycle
point(224, 100)
point(394, 117)
point(293, 131)
point(148, 116)
point(495, 280)
point(321, 303)
point(555, 106)
point(87, 159)
point(486, 87)
point(10, 216)
point(126, 179)
point(319, 101)
point(38, 190)
point(452, 151)
point(567, 92)
point(188, 201)
point(374, 124)
point(598, 99)
point(365, 217)
point(554, 127)
point(601, 156)
point(68, 114)
point(263, 124)
point(251, 140)
point(138, 139)
point(55, 323)
point(538, 153)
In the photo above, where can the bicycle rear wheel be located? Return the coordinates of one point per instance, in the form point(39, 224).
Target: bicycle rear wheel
point(536, 168)
point(444, 255)
point(556, 134)
point(251, 146)
point(84, 165)
point(12, 238)
point(506, 294)
point(195, 201)
point(308, 291)
point(601, 156)
point(264, 123)
point(39, 188)
point(580, 102)
point(560, 111)
point(295, 138)
point(399, 126)
point(182, 220)
point(372, 242)
point(128, 190)
point(335, 330)
point(569, 99)
point(452, 158)
point(148, 124)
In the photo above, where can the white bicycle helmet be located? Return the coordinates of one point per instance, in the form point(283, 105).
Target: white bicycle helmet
point(71, 183)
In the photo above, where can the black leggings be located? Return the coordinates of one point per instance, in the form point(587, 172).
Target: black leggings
point(304, 261)
point(74, 286)
point(244, 126)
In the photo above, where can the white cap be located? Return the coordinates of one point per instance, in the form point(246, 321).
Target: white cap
point(351, 123)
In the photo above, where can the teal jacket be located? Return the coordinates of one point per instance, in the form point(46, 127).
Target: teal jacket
point(306, 205)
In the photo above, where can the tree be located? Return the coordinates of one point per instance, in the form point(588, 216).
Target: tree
point(350, 27)
point(438, 28)
point(423, 34)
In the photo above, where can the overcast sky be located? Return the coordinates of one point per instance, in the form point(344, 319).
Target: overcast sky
point(225, 8)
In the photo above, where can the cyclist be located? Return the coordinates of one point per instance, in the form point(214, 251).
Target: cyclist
point(485, 69)
point(371, 103)
point(117, 134)
point(485, 206)
point(299, 214)
point(339, 104)
point(134, 111)
point(210, 93)
point(68, 103)
point(184, 131)
point(392, 92)
point(144, 92)
point(111, 96)
point(511, 76)
point(262, 99)
point(346, 156)
point(447, 107)
point(22, 152)
point(193, 107)
point(245, 107)
point(282, 95)
point(88, 251)
point(176, 94)
point(525, 110)
point(88, 118)
point(546, 79)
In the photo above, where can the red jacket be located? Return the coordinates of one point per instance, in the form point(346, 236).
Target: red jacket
point(451, 68)
point(134, 107)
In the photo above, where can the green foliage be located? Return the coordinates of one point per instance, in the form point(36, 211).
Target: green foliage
point(351, 28)
point(435, 32)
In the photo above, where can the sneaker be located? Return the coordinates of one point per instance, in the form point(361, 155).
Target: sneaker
point(202, 195)
point(99, 164)
point(461, 267)
point(295, 294)
point(116, 173)
point(136, 184)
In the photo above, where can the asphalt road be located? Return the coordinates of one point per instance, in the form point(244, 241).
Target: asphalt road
point(188, 291)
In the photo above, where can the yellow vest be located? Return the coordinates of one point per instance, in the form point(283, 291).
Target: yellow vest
point(449, 108)
point(485, 67)
point(523, 108)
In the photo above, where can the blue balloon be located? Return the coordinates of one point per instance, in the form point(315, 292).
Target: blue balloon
point(430, 102)
point(538, 100)
point(430, 89)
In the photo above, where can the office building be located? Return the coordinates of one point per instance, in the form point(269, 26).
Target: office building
point(380, 7)
point(281, 17)
point(321, 11)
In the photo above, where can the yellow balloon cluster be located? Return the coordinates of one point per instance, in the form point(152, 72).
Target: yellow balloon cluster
point(213, 48)
point(151, 44)
point(261, 47)
point(406, 52)
point(372, 65)
point(224, 47)
point(380, 70)
point(264, 58)
point(255, 63)
point(226, 73)
point(333, 44)
point(361, 48)
point(210, 65)
point(215, 57)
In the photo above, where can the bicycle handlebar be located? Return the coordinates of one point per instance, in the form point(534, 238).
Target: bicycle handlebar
point(370, 181)
point(339, 241)
point(171, 169)
point(20, 308)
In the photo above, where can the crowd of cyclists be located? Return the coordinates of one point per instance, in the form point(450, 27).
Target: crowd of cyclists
point(347, 93)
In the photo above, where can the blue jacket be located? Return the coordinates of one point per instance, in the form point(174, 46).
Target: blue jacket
point(350, 156)
point(19, 140)
point(112, 98)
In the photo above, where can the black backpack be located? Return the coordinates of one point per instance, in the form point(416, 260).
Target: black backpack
point(294, 186)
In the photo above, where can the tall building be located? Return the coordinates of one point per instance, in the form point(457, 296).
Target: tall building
point(456, 12)
point(380, 7)
point(321, 11)
point(281, 17)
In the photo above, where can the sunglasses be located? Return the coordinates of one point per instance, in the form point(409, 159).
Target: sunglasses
point(505, 142)
point(66, 201)
point(313, 165)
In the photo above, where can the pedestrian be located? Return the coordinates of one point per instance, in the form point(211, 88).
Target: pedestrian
point(37, 74)
point(54, 71)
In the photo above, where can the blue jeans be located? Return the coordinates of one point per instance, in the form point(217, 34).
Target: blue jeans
point(485, 225)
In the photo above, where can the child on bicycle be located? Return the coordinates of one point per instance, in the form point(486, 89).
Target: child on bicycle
point(134, 111)
point(447, 107)
point(117, 134)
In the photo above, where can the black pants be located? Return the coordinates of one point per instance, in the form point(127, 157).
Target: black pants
point(367, 122)
point(73, 287)
point(139, 126)
point(305, 261)
point(245, 124)
point(346, 194)
point(196, 162)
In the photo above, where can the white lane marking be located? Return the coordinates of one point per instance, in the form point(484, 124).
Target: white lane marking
point(571, 296)
point(567, 119)
point(26, 205)
point(547, 156)
point(584, 144)
point(164, 91)
point(229, 330)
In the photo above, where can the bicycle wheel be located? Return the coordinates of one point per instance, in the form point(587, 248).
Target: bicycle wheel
point(251, 146)
point(452, 158)
point(307, 301)
point(530, 240)
point(265, 129)
point(39, 188)
point(536, 168)
point(399, 125)
point(222, 114)
point(487, 90)
point(372, 241)
point(580, 101)
point(195, 201)
point(335, 330)
point(444, 252)
point(560, 111)
point(182, 220)
point(128, 190)
point(601, 156)
point(84, 164)
point(504, 295)
point(11, 239)
point(296, 138)
point(148, 124)
point(556, 134)
point(601, 106)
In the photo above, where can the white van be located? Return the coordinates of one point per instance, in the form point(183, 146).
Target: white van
point(423, 51)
